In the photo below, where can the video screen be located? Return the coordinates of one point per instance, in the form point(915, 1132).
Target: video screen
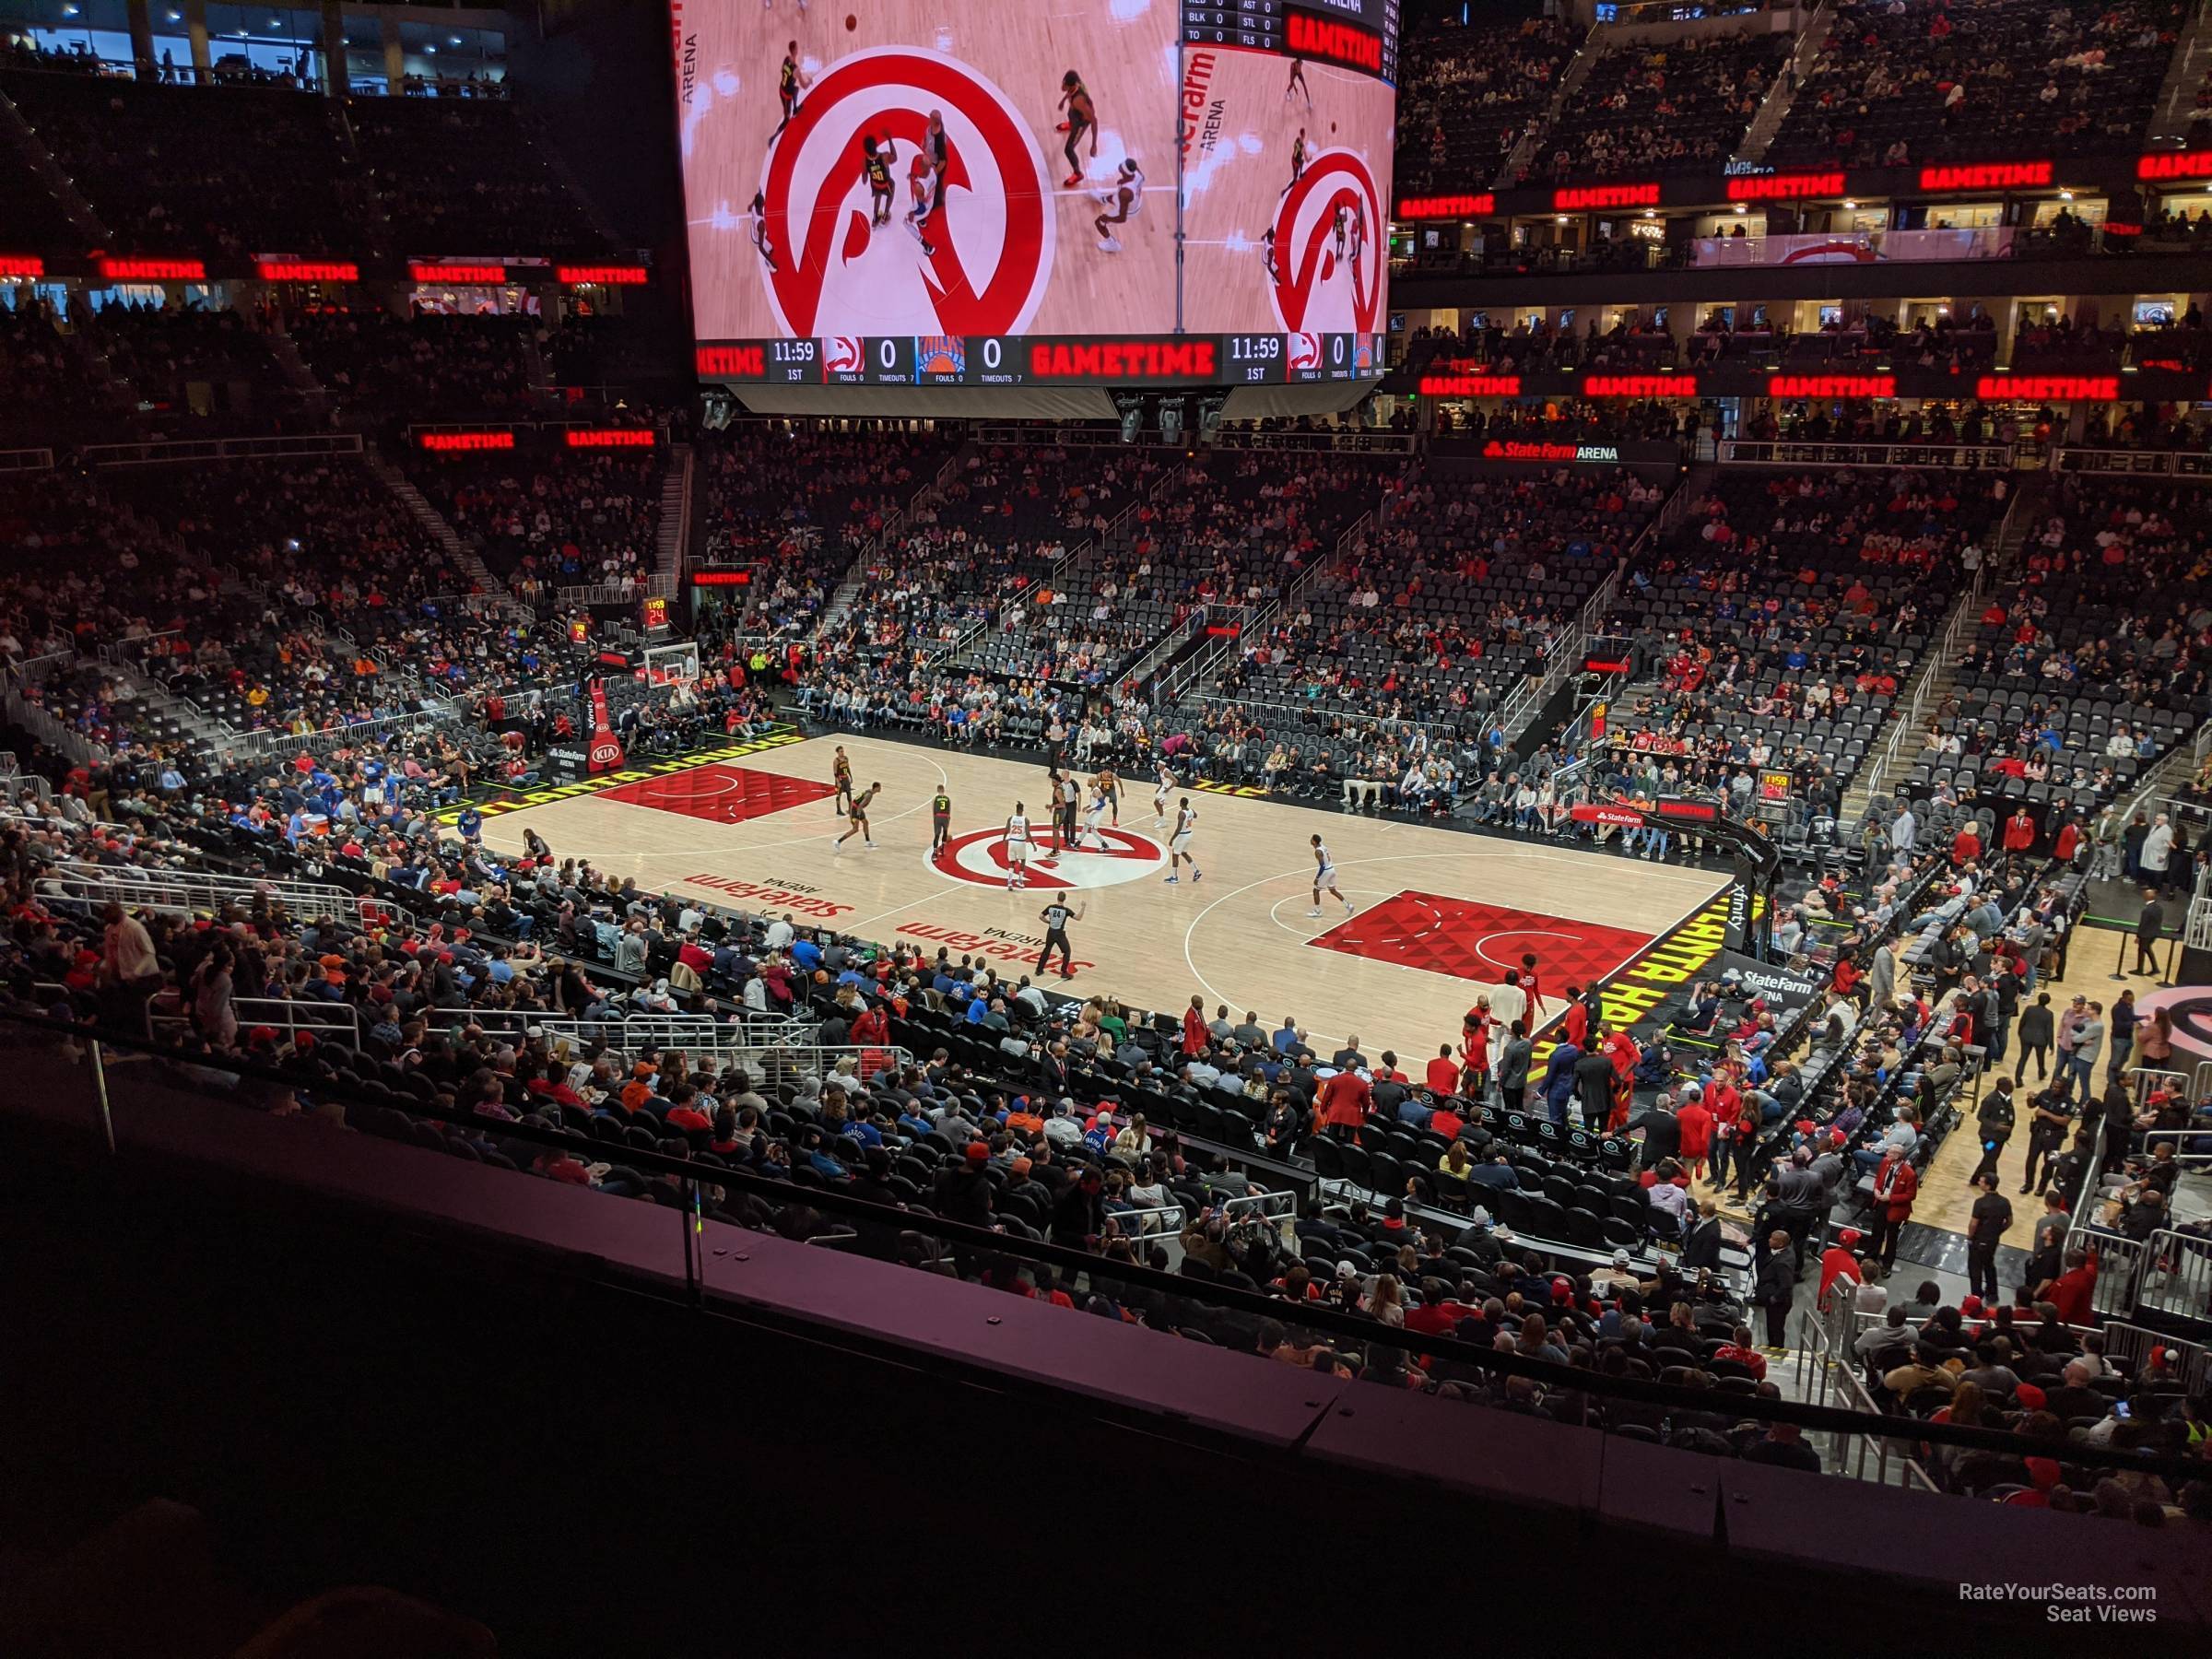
point(944, 193)
point(1286, 194)
point(922, 168)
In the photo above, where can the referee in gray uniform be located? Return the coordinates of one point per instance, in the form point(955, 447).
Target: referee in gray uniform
point(1056, 917)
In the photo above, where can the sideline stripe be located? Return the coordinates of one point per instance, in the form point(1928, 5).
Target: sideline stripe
point(587, 786)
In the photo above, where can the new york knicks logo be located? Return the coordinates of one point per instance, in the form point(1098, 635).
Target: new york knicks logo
point(1329, 269)
point(965, 253)
point(980, 857)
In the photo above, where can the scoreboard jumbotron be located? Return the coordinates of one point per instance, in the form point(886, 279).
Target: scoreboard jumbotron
point(1237, 359)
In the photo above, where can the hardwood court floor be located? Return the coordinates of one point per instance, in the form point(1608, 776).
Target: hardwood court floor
point(1441, 913)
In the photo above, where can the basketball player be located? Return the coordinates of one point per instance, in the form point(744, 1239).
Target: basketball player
point(1094, 820)
point(791, 80)
point(940, 820)
point(1338, 227)
point(937, 147)
point(1082, 117)
point(1127, 197)
point(759, 209)
point(1298, 84)
point(1179, 845)
point(1324, 878)
point(1017, 848)
point(1267, 256)
point(1159, 797)
point(878, 160)
point(1298, 159)
point(859, 815)
point(1358, 235)
point(841, 774)
point(1110, 787)
point(917, 190)
point(1056, 917)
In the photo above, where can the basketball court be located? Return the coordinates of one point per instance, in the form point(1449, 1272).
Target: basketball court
point(1439, 914)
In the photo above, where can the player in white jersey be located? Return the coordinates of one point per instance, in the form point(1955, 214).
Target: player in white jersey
point(1159, 797)
point(1094, 820)
point(1017, 848)
point(1324, 878)
point(1125, 196)
point(1179, 844)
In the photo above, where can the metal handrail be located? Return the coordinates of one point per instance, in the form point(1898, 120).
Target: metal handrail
point(182, 893)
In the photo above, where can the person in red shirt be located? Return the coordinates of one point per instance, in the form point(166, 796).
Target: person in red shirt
point(1838, 1260)
point(2071, 1291)
point(1446, 1122)
point(1344, 1103)
point(1532, 983)
point(1696, 1121)
point(1739, 1349)
point(2068, 841)
point(1895, 1184)
point(1577, 1018)
point(2020, 833)
point(1442, 1076)
point(1966, 846)
point(1195, 1034)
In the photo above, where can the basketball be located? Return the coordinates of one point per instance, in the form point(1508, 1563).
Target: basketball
point(851, 22)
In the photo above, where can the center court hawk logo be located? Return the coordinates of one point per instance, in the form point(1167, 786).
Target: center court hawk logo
point(989, 242)
point(980, 857)
point(1315, 290)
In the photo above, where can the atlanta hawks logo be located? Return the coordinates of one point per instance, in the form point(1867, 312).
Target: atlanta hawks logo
point(968, 248)
point(980, 857)
point(1329, 247)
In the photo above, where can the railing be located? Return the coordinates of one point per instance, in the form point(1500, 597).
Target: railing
point(599, 593)
point(1567, 653)
point(326, 1022)
point(2177, 1276)
point(2180, 465)
point(1149, 1221)
point(187, 893)
point(169, 452)
point(25, 460)
point(1947, 457)
point(1853, 247)
point(954, 1242)
point(1340, 441)
point(1908, 725)
point(267, 744)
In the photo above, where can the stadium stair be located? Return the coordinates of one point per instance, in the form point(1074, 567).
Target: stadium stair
point(40, 160)
point(313, 395)
point(435, 522)
point(1775, 108)
point(2175, 110)
point(674, 525)
point(1522, 155)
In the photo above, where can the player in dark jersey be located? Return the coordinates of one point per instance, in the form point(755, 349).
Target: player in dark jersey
point(940, 821)
point(841, 774)
point(1082, 117)
point(877, 158)
point(791, 80)
point(1339, 224)
point(759, 209)
point(1110, 787)
point(1267, 256)
point(1298, 84)
point(937, 147)
point(1298, 158)
point(859, 817)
